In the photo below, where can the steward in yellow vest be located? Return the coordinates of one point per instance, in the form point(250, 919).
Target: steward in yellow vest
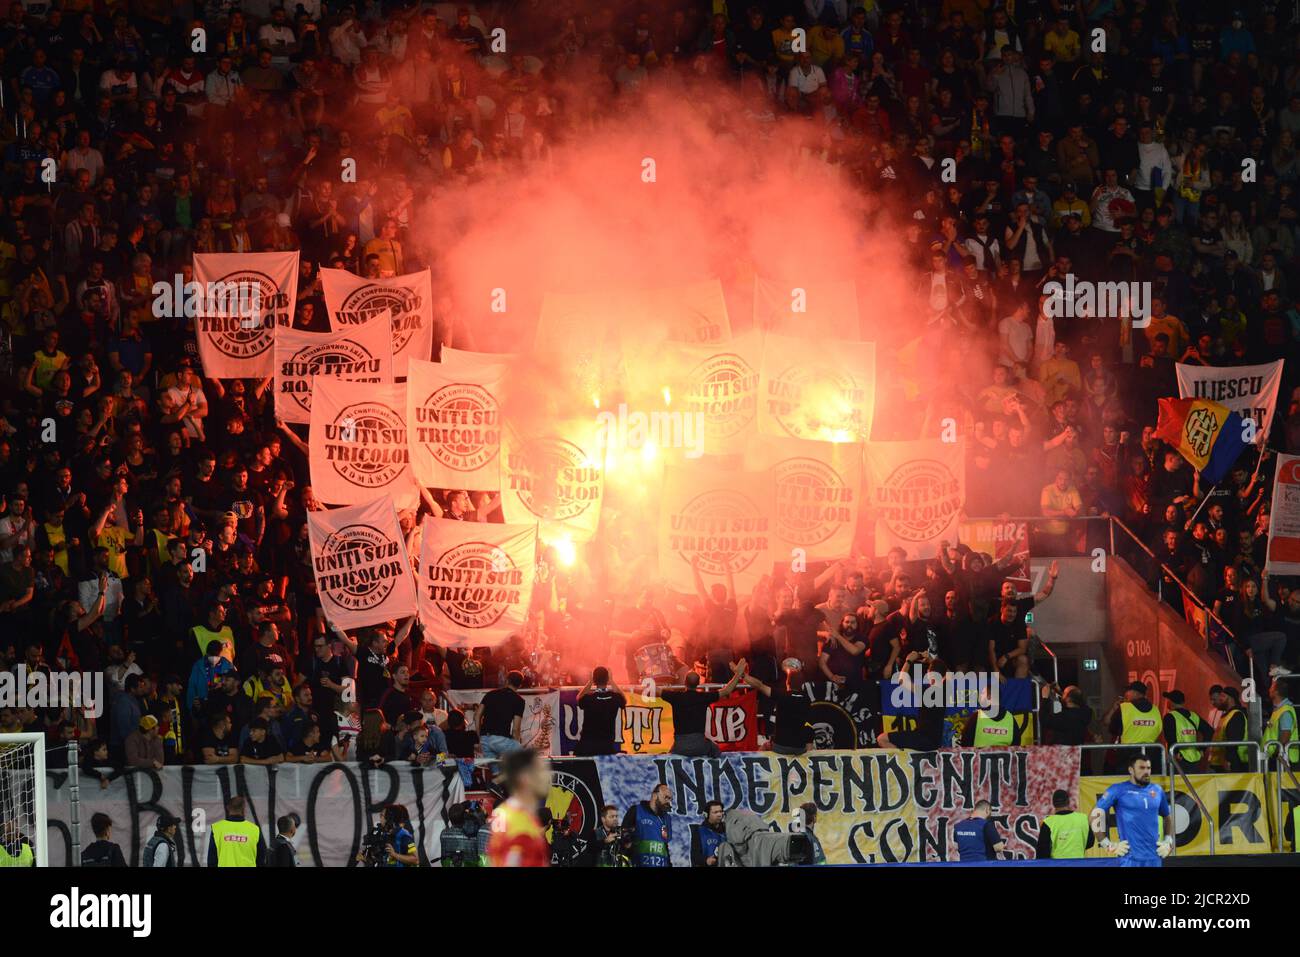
point(1282, 724)
point(1184, 726)
point(1133, 719)
point(991, 729)
point(1232, 726)
point(1064, 834)
point(235, 842)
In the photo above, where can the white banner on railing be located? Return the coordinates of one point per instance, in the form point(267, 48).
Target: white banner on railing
point(337, 803)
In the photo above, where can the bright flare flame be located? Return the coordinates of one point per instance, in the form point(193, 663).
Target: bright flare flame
point(668, 396)
point(566, 552)
point(649, 451)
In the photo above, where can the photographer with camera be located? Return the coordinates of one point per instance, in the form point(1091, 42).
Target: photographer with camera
point(463, 842)
point(604, 842)
point(390, 843)
point(567, 848)
point(707, 836)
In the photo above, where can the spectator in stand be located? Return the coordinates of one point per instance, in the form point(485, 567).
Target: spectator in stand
point(501, 715)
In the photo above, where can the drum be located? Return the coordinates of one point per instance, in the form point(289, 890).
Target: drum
point(654, 661)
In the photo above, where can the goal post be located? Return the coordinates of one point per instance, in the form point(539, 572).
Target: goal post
point(24, 816)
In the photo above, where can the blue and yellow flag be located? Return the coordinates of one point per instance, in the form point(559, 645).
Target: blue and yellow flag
point(1208, 435)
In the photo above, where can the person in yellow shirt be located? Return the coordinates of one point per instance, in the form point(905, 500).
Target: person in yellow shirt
point(1063, 42)
point(1060, 374)
point(826, 46)
point(1060, 499)
point(388, 248)
point(783, 42)
point(1171, 326)
point(1068, 204)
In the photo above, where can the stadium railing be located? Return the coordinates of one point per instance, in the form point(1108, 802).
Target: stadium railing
point(1275, 749)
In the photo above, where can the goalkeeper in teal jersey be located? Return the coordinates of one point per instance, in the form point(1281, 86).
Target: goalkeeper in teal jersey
point(1139, 806)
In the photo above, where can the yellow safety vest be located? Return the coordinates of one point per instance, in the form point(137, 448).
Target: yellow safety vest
point(1138, 727)
point(1274, 730)
point(236, 843)
point(991, 733)
point(202, 634)
point(24, 857)
point(1186, 733)
point(1069, 834)
point(1219, 756)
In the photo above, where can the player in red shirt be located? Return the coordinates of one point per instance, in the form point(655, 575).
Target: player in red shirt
point(517, 837)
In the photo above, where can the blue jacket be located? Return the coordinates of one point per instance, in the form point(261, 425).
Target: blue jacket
point(203, 677)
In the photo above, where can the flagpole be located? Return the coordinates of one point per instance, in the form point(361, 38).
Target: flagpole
point(1205, 498)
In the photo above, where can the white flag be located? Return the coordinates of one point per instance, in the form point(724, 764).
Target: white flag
point(359, 557)
point(475, 581)
point(916, 492)
point(798, 308)
point(555, 477)
point(817, 389)
point(234, 342)
point(351, 300)
point(1250, 391)
point(360, 354)
point(818, 494)
point(358, 443)
point(719, 384)
point(453, 410)
point(720, 518)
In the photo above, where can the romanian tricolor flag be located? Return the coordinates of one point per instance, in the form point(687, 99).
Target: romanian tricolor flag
point(1205, 433)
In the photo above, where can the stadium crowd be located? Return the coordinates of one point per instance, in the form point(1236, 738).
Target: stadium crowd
point(157, 531)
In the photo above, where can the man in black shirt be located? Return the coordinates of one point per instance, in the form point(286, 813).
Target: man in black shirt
point(501, 713)
point(372, 669)
point(326, 673)
point(102, 852)
point(600, 702)
point(1070, 724)
point(930, 719)
point(690, 712)
point(281, 852)
point(790, 730)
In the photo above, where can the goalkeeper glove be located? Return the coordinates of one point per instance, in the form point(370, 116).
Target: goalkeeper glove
point(1165, 847)
point(1118, 848)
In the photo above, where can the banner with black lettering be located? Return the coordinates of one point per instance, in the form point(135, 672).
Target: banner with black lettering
point(554, 477)
point(796, 308)
point(358, 443)
point(337, 804)
point(475, 581)
point(358, 555)
point(1250, 391)
point(719, 521)
point(243, 298)
point(818, 389)
point(360, 354)
point(716, 388)
point(453, 410)
point(351, 300)
point(818, 494)
point(915, 494)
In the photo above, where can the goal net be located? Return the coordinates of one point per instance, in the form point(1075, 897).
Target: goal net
point(22, 801)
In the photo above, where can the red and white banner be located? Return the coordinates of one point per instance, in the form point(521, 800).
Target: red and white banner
point(915, 493)
point(234, 341)
point(351, 300)
point(817, 389)
point(1284, 518)
point(359, 557)
point(554, 477)
point(361, 354)
point(358, 443)
point(723, 519)
point(818, 495)
point(453, 410)
point(794, 308)
point(475, 581)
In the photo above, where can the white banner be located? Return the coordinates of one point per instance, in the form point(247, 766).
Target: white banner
point(555, 479)
point(795, 308)
point(351, 300)
point(718, 383)
point(818, 494)
point(540, 727)
point(358, 443)
point(915, 493)
point(817, 389)
point(723, 518)
point(475, 581)
point(234, 344)
point(337, 804)
point(363, 575)
point(453, 410)
point(361, 354)
point(1250, 391)
point(1284, 518)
